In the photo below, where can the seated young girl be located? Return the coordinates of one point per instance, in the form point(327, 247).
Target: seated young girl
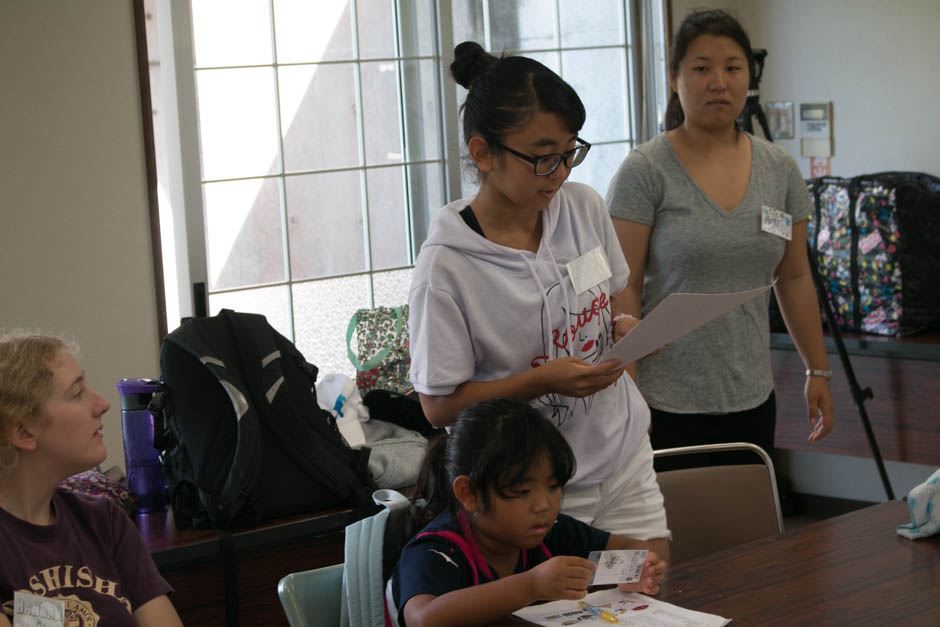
point(491, 537)
point(59, 544)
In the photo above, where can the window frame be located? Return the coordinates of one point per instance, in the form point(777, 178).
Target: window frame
point(184, 189)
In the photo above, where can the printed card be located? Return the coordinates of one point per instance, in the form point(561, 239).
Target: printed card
point(31, 610)
point(621, 566)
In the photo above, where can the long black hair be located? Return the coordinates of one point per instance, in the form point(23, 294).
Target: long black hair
point(492, 442)
point(504, 92)
point(705, 22)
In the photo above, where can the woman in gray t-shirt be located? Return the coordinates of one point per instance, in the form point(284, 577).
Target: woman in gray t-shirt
point(706, 207)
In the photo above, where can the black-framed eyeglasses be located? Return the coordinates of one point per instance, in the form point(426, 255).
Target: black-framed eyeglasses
point(546, 164)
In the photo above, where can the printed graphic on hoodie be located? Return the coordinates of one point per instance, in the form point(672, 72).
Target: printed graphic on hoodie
point(586, 336)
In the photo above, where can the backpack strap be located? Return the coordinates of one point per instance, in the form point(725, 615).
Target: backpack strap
point(245, 469)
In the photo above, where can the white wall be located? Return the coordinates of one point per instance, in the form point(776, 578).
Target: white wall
point(75, 254)
point(876, 61)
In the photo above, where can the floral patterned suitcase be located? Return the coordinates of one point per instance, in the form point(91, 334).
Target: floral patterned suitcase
point(877, 243)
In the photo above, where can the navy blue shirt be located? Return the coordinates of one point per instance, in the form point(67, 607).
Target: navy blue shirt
point(432, 564)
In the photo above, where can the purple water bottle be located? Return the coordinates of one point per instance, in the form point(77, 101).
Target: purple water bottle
point(144, 471)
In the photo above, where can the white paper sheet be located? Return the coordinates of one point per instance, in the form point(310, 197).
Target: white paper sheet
point(675, 316)
point(630, 608)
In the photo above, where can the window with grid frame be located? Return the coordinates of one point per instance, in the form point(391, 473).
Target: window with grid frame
point(328, 134)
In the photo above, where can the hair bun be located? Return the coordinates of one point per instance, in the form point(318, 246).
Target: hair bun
point(470, 62)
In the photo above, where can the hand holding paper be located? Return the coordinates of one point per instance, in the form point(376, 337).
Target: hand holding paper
point(675, 316)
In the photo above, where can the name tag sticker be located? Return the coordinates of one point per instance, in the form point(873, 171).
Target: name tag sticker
point(617, 566)
point(31, 610)
point(588, 270)
point(776, 222)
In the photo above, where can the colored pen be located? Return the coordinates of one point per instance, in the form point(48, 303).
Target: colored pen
point(593, 609)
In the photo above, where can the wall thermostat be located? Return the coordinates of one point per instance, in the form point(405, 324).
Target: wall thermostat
point(816, 129)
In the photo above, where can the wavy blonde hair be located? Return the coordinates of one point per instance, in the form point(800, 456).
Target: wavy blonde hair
point(26, 379)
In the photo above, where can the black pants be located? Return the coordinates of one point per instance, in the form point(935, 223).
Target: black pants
point(755, 425)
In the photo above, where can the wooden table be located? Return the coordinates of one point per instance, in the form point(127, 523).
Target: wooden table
point(192, 562)
point(848, 570)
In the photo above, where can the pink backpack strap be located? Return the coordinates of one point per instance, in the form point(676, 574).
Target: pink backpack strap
point(461, 544)
point(544, 550)
point(475, 551)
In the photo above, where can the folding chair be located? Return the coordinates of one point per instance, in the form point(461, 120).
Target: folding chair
point(312, 597)
point(710, 508)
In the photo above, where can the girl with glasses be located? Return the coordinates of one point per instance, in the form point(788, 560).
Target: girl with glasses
point(514, 293)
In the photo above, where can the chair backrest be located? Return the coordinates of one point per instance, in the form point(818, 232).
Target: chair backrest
point(710, 508)
point(312, 597)
point(352, 593)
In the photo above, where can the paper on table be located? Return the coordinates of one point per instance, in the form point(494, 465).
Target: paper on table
point(630, 608)
point(675, 316)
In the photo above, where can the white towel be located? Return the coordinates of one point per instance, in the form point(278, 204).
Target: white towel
point(923, 503)
point(338, 394)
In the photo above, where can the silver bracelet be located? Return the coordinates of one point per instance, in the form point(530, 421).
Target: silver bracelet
point(827, 374)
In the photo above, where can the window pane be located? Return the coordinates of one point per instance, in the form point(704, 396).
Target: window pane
point(237, 123)
point(600, 165)
point(417, 28)
point(312, 31)
point(468, 25)
point(324, 213)
point(271, 302)
point(318, 117)
point(391, 289)
point(426, 195)
point(388, 223)
point(422, 109)
point(380, 112)
point(605, 100)
point(376, 20)
point(548, 59)
point(231, 32)
point(522, 25)
point(243, 233)
point(591, 22)
point(322, 310)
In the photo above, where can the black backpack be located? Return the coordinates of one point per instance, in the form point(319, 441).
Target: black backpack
point(244, 439)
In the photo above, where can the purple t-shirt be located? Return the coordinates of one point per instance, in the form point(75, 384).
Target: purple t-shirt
point(92, 557)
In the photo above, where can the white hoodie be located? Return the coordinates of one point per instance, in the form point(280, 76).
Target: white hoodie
point(481, 311)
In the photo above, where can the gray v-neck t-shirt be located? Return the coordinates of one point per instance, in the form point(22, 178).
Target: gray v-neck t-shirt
point(696, 246)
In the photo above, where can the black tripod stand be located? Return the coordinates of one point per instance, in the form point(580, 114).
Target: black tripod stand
point(751, 110)
point(858, 394)
point(752, 106)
